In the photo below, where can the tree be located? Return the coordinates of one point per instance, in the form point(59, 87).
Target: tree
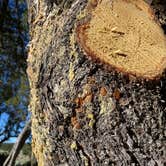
point(83, 112)
point(3, 9)
point(14, 87)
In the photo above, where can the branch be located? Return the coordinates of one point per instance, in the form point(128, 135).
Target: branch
point(18, 145)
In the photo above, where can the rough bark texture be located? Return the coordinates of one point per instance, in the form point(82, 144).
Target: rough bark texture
point(83, 114)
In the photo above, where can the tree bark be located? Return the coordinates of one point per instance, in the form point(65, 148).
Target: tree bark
point(82, 113)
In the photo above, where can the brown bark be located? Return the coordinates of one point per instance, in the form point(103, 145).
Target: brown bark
point(82, 113)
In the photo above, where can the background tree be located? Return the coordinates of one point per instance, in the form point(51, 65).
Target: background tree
point(14, 86)
point(83, 113)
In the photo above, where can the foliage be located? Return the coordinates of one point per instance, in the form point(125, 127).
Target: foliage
point(14, 86)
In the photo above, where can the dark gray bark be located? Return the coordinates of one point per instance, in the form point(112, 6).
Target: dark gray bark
point(83, 114)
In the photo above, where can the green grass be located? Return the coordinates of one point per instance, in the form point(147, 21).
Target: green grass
point(6, 147)
point(24, 158)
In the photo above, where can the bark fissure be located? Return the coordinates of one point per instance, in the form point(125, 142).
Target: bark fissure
point(82, 113)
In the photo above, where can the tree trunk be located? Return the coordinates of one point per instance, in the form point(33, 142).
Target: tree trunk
point(82, 113)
